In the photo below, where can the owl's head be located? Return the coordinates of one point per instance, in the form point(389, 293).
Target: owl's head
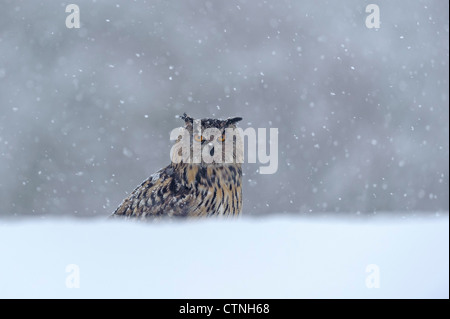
point(209, 142)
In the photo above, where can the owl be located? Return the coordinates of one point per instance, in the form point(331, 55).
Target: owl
point(204, 178)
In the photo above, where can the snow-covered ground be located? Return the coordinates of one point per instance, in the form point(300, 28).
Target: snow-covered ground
point(250, 258)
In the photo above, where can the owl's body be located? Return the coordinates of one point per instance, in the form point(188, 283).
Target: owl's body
point(189, 190)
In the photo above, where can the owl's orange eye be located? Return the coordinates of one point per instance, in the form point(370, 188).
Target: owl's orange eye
point(199, 138)
point(221, 138)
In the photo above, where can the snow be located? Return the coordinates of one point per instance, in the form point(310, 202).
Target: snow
point(282, 257)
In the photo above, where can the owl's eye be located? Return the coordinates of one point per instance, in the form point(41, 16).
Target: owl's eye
point(221, 138)
point(199, 138)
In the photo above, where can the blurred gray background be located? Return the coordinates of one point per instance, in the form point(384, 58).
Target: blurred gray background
point(363, 114)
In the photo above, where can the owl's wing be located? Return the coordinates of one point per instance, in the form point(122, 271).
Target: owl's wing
point(162, 194)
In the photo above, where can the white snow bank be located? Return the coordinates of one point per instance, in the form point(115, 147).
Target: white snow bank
point(266, 258)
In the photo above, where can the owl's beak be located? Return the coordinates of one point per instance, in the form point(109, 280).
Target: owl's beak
point(211, 151)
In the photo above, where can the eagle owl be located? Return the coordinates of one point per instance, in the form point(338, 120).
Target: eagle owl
point(190, 188)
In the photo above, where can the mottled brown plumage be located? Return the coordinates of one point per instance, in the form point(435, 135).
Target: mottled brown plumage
point(190, 190)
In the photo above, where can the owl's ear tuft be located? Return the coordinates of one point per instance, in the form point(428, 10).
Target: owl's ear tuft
point(233, 120)
point(186, 118)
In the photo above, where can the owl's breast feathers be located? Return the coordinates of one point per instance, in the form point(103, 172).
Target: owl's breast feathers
point(186, 190)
